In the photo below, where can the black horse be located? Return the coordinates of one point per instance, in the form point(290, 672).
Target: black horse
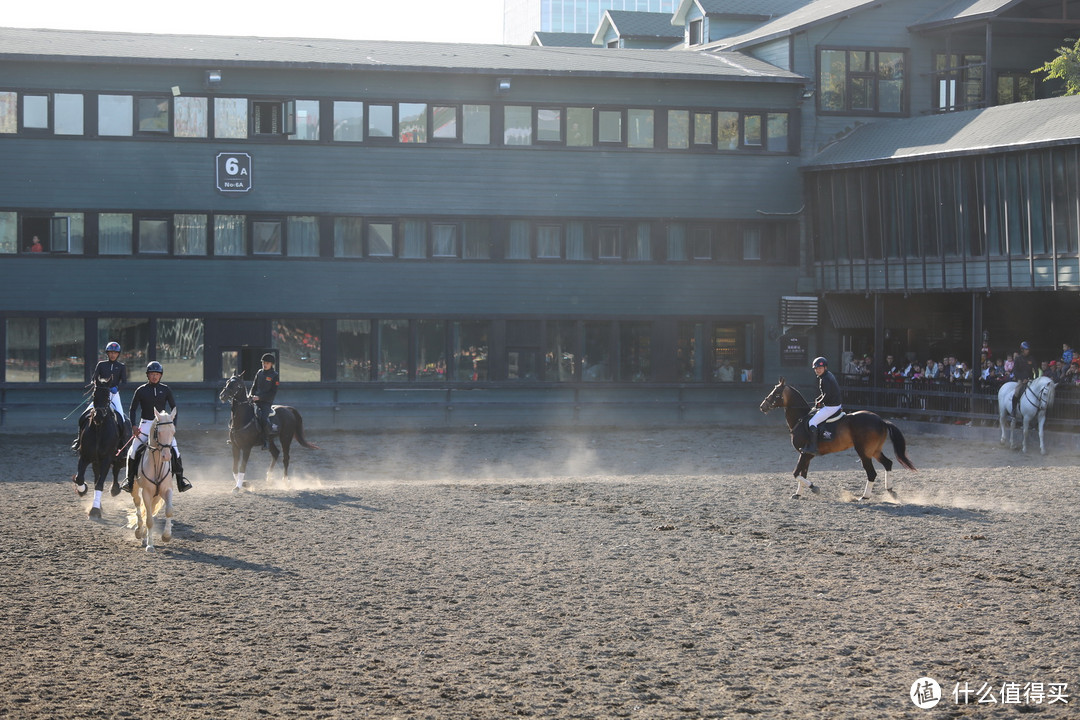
point(99, 443)
point(244, 430)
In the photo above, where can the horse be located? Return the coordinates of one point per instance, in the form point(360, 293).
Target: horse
point(863, 430)
point(99, 439)
point(1036, 401)
point(153, 486)
point(244, 430)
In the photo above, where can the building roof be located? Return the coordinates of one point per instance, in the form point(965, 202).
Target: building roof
point(79, 46)
point(808, 14)
point(745, 9)
point(1051, 13)
point(632, 24)
point(562, 39)
point(1055, 121)
point(963, 11)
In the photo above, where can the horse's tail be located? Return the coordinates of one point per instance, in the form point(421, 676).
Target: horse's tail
point(300, 432)
point(899, 445)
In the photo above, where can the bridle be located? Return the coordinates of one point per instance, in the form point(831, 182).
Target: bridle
point(154, 445)
point(1040, 402)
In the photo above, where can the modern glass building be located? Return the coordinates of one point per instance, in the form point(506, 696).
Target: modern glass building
point(521, 18)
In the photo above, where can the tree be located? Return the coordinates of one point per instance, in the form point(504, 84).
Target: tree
point(1065, 67)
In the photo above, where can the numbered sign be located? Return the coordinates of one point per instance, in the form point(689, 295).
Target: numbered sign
point(233, 172)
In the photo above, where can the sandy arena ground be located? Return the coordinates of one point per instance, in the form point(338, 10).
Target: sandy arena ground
point(549, 574)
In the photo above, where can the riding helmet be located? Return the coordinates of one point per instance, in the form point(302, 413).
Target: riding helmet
point(154, 366)
point(821, 362)
point(268, 357)
point(1025, 346)
point(112, 347)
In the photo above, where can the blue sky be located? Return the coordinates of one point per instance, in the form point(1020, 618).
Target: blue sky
point(424, 20)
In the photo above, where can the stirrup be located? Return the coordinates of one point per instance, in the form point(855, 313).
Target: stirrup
point(182, 484)
point(125, 486)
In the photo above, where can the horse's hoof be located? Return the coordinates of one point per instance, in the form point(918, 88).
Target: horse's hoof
point(797, 496)
point(115, 489)
point(81, 490)
point(814, 489)
point(95, 512)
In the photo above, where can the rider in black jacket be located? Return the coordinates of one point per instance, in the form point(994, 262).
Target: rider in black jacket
point(828, 402)
point(1023, 372)
point(109, 372)
point(149, 399)
point(263, 389)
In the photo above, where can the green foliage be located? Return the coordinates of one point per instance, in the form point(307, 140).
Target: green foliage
point(1065, 66)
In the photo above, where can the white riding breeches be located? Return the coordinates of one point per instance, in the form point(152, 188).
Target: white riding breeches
point(140, 440)
point(824, 414)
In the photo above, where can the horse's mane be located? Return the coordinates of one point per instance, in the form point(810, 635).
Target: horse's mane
point(797, 394)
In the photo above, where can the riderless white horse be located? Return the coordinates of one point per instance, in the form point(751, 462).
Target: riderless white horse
point(1036, 401)
point(153, 487)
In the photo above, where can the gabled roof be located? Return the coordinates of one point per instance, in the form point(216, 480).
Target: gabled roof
point(738, 9)
point(71, 46)
point(973, 11)
point(1054, 121)
point(812, 13)
point(562, 39)
point(631, 24)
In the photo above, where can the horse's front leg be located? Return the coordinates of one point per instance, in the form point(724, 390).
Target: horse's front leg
point(166, 533)
point(1042, 425)
point(800, 477)
point(1023, 437)
point(140, 511)
point(238, 469)
point(78, 477)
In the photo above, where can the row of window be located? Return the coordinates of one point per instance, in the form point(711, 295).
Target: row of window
point(406, 123)
point(403, 350)
point(231, 235)
point(873, 82)
point(1015, 204)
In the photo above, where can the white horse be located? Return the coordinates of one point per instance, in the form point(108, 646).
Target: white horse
point(153, 486)
point(1036, 401)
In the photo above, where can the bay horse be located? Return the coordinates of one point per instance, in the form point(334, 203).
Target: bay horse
point(153, 486)
point(863, 430)
point(99, 440)
point(1036, 401)
point(244, 430)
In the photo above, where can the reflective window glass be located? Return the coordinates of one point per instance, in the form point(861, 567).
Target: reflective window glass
point(412, 123)
point(635, 351)
point(703, 128)
point(180, 346)
point(517, 125)
point(303, 237)
point(380, 123)
point(229, 235)
point(549, 125)
point(380, 239)
point(307, 120)
point(190, 117)
point(299, 345)
point(36, 112)
point(430, 351)
point(611, 126)
point(469, 342)
point(348, 121)
point(445, 240)
point(189, 233)
point(476, 124)
point(114, 233)
point(752, 130)
point(477, 239)
point(266, 237)
point(230, 117)
point(9, 112)
point(579, 127)
point(133, 334)
point(639, 128)
point(444, 121)
point(596, 365)
point(9, 232)
point(727, 130)
point(348, 237)
point(560, 356)
point(154, 236)
point(68, 111)
point(153, 114)
point(115, 115)
point(393, 362)
point(549, 241)
point(778, 132)
point(21, 360)
point(64, 341)
point(678, 129)
point(353, 350)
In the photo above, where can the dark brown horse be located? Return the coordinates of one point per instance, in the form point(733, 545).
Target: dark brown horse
point(862, 430)
point(244, 431)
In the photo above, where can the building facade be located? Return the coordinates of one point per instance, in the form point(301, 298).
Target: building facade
point(522, 18)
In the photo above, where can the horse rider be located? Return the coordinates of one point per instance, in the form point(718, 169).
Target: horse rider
point(149, 399)
point(109, 372)
point(263, 389)
point(828, 402)
point(1023, 372)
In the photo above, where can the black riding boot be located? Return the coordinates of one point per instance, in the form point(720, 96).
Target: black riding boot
point(264, 432)
point(132, 468)
point(182, 483)
point(811, 447)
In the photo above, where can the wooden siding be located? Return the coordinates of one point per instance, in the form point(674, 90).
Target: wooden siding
point(328, 288)
point(162, 175)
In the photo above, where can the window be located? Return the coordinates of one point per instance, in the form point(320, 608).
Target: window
point(958, 81)
point(35, 112)
point(477, 239)
point(348, 121)
point(549, 241)
point(381, 121)
point(751, 244)
point(641, 244)
point(115, 115)
point(133, 334)
point(230, 118)
point(777, 129)
point(697, 36)
point(393, 344)
point(639, 128)
point(154, 236)
point(578, 242)
point(348, 237)
point(701, 242)
point(596, 361)
point(1014, 88)
point(412, 123)
point(676, 242)
point(635, 351)
point(413, 239)
point(306, 123)
point(190, 117)
point(752, 130)
point(445, 240)
point(354, 350)
point(68, 109)
point(153, 114)
point(189, 233)
point(579, 127)
point(21, 359)
point(678, 129)
point(476, 124)
point(609, 242)
point(549, 128)
point(690, 341)
point(229, 234)
point(380, 239)
point(266, 237)
point(703, 129)
point(9, 113)
point(275, 118)
point(302, 235)
point(114, 233)
point(469, 342)
point(518, 248)
point(64, 342)
point(180, 348)
point(610, 127)
point(299, 345)
point(560, 356)
point(727, 130)
point(517, 125)
point(430, 351)
point(444, 123)
point(861, 81)
point(9, 232)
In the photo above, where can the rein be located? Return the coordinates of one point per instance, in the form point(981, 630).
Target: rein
point(1040, 399)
